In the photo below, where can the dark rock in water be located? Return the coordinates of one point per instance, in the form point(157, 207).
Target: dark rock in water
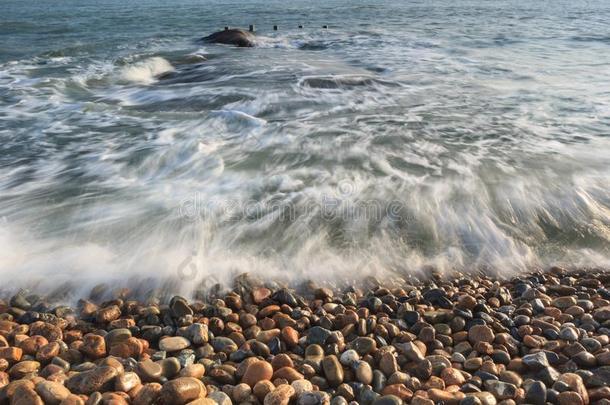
point(29, 317)
point(20, 301)
point(180, 307)
point(434, 294)
point(237, 37)
point(374, 304)
point(284, 296)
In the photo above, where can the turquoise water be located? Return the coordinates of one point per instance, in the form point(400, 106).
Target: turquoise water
point(454, 134)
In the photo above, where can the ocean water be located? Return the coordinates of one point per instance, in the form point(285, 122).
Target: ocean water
point(408, 136)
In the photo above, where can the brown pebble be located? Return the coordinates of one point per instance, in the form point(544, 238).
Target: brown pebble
point(97, 379)
point(11, 354)
point(23, 368)
point(9, 389)
point(203, 401)
point(388, 364)
point(52, 393)
point(398, 390)
point(148, 394)
point(575, 382)
point(473, 363)
point(600, 393)
point(511, 377)
point(301, 386)
point(290, 336)
point(467, 302)
point(480, 333)
point(447, 398)
point(126, 382)
point(25, 395)
point(72, 400)
point(51, 332)
point(181, 391)
point(569, 398)
point(280, 361)
point(279, 396)
point(257, 371)
point(193, 370)
point(108, 314)
point(4, 379)
point(452, 376)
point(241, 392)
point(114, 398)
point(421, 401)
point(260, 294)
point(94, 346)
point(47, 352)
point(32, 344)
point(262, 388)
point(266, 335)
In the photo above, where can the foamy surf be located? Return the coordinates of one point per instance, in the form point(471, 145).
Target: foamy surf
point(334, 154)
point(146, 71)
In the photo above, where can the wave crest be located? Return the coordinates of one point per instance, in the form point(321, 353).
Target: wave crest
point(146, 71)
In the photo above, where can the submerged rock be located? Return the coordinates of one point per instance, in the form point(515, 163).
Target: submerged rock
point(237, 37)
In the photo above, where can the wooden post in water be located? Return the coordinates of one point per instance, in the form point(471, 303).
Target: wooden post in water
point(275, 28)
point(226, 28)
point(300, 26)
point(251, 27)
point(325, 26)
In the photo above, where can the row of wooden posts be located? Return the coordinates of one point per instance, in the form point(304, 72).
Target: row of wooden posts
point(275, 28)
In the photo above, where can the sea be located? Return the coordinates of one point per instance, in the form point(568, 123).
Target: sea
point(361, 139)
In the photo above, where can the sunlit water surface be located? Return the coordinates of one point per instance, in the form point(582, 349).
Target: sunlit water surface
point(469, 135)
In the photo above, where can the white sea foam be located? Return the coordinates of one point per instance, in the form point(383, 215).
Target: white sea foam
point(146, 71)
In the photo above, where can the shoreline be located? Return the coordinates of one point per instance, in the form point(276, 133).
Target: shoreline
point(536, 338)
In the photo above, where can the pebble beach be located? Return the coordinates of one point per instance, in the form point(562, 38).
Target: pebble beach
point(539, 338)
point(338, 202)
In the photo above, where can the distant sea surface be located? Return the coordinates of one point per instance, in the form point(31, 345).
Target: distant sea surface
point(408, 135)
